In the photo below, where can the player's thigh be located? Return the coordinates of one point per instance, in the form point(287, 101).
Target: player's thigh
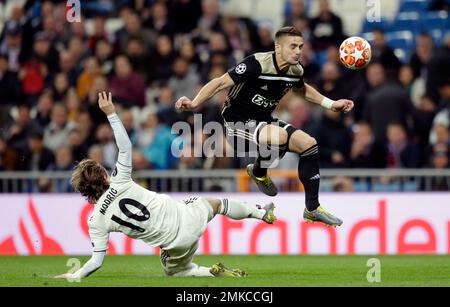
point(215, 204)
point(301, 141)
point(178, 259)
point(272, 135)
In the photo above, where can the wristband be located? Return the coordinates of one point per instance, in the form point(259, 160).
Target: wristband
point(326, 103)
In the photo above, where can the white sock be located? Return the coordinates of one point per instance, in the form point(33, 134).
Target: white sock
point(238, 210)
point(196, 270)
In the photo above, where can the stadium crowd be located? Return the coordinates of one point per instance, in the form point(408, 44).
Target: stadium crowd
point(52, 70)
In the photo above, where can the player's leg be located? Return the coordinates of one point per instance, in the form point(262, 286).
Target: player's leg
point(177, 262)
point(238, 210)
point(272, 142)
point(309, 174)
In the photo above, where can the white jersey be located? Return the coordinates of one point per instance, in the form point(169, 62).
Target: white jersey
point(135, 211)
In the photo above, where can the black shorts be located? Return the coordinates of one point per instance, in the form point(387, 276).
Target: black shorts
point(244, 138)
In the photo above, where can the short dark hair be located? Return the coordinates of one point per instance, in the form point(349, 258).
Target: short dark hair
point(287, 31)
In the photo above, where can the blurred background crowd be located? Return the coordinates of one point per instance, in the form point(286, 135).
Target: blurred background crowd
point(148, 53)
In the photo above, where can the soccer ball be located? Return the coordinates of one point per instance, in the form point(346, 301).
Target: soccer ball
point(355, 52)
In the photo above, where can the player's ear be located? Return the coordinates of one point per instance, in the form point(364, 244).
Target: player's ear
point(277, 47)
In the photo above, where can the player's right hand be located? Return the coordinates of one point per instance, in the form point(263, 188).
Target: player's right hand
point(105, 103)
point(184, 104)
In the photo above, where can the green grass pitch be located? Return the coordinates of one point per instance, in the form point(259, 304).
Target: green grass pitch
point(267, 271)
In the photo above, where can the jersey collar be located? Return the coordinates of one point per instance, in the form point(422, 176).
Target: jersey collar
point(279, 71)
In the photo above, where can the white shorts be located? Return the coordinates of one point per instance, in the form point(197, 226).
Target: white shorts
point(178, 255)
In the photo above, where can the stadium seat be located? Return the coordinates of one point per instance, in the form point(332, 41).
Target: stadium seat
point(435, 20)
point(406, 21)
point(369, 26)
point(414, 6)
point(402, 42)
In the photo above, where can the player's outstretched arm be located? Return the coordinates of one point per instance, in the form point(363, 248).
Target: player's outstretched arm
point(312, 95)
point(206, 92)
point(88, 268)
point(122, 140)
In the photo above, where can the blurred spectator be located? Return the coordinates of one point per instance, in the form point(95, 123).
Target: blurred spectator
point(414, 86)
point(185, 14)
point(166, 107)
point(334, 139)
point(34, 71)
point(43, 109)
point(422, 54)
point(9, 84)
point(60, 86)
point(100, 33)
point(326, 28)
point(330, 83)
point(401, 152)
point(302, 24)
point(104, 55)
point(366, 152)
point(12, 44)
point(342, 184)
point(36, 156)
point(386, 102)
point(21, 129)
point(63, 162)
point(95, 153)
point(105, 139)
point(77, 48)
point(100, 84)
point(439, 160)
point(159, 21)
point(209, 21)
point(133, 29)
point(311, 70)
point(78, 147)
point(127, 118)
point(67, 66)
point(266, 42)
point(238, 36)
point(187, 52)
point(384, 54)
point(57, 132)
point(73, 105)
point(184, 80)
point(162, 60)
point(127, 84)
point(139, 58)
point(297, 10)
point(154, 139)
point(87, 77)
point(423, 119)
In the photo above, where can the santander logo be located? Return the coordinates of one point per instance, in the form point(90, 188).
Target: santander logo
point(43, 245)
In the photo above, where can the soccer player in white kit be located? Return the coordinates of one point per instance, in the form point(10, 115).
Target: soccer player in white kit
point(121, 205)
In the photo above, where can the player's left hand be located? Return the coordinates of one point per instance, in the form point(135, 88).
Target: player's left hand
point(105, 103)
point(342, 105)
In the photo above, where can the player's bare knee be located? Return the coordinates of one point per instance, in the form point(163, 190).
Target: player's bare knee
point(310, 142)
point(282, 137)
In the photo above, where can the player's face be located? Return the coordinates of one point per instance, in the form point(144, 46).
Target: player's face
point(291, 49)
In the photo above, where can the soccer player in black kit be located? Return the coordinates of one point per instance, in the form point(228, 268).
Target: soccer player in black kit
point(257, 85)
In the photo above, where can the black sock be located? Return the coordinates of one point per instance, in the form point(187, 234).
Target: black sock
point(258, 171)
point(308, 172)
